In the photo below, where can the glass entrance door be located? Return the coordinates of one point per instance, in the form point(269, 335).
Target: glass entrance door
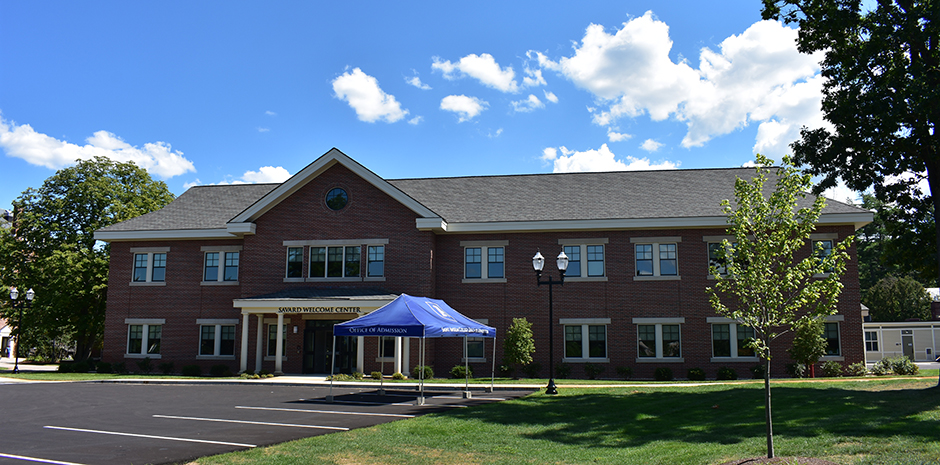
point(318, 344)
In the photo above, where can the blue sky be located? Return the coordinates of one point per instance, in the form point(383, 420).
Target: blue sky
point(225, 92)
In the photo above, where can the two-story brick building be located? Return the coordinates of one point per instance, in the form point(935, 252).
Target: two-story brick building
point(239, 274)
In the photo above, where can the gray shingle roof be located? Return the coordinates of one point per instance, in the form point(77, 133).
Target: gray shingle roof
point(200, 207)
point(484, 199)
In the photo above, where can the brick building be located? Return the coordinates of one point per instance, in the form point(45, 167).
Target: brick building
point(238, 274)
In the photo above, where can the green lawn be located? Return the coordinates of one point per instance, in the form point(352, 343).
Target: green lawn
point(874, 421)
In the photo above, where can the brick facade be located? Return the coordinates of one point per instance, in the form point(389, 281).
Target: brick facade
point(428, 263)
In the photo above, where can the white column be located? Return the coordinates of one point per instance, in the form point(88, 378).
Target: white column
point(279, 351)
point(360, 354)
point(259, 354)
point(243, 363)
point(398, 355)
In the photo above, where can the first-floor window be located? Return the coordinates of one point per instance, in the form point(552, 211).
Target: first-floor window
point(474, 348)
point(144, 339)
point(831, 334)
point(596, 337)
point(272, 339)
point(732, 340)
point(217, 340)
point(659, 340)
point(871, 341)
point(387, 347)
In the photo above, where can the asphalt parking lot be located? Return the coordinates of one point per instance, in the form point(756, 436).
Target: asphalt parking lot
point(100, 423)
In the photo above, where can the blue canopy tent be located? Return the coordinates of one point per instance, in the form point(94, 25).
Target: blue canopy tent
point(421, 317)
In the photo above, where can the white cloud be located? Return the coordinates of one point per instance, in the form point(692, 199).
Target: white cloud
point(615, 136)
point(527, 105)
point(363, 94)
point(24, 142)
point(533, 77)
point(842, 193)
point(466, 107)
point(757, 77)
point(601, 159)
point(416, 120)
point(651, 145)
point(416, 81)
point(551, 97)
point(270, 113)
point(260, 129)
point(265, 174)
point(482, 68)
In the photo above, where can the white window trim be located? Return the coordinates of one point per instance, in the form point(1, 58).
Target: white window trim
point(273, 322)
point(218, 323)
point(221, 250)
point(463, 349)
point(365, 271)
point(149, 251)
point(655, 242)
point(484, 247)
point(583, 244)
point(733, 334)
point(145, 334)
point(584, 323)
point(658, 323)
point(326, 245)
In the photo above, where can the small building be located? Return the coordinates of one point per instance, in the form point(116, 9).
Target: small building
point(916, 340)
point(255, 276)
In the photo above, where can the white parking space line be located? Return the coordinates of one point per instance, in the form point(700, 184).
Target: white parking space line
point(333, 412)
point(397, 404)
point(246, 422)
point(35, 459)
point(149, 436)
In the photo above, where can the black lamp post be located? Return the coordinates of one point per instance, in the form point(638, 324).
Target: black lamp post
point(19, 320)
point(538, 262)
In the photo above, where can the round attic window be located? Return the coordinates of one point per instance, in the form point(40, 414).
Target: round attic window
point(336, 199)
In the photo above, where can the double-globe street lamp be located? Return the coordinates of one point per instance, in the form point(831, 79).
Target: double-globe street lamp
point(538, 262)
point(18, 305)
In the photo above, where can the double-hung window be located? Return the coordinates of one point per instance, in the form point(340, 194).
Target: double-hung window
point(731, 340)
point(659, 339)
point(272, 336)
point(871, 341)
point(336, 259)
point(375, 267)
point(822, 247)
point(474, 350)
point(216, 338)
point(295, 262)
point(585, 339)
point(585, 259)
point(656, 257)
point(149, 266)
point(144, 336)
point(484, 261)
point(335, 262)
point(221, 263)
point(831, 335)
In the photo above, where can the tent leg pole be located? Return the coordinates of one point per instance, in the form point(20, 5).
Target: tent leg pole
point(420, 400)
point(381, 351)
point(493, 371)
point(329, 398)
point(466, 370)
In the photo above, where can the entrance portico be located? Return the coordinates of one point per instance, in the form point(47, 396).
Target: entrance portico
point(313, 311)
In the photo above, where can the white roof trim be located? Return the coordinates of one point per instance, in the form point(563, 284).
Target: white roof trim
point(316, 168)
point(169, 234)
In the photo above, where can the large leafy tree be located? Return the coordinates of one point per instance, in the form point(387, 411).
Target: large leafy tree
point(773, 278)
point(881, 96)
point(51, 247)
point(893, 244)
point(897, 299)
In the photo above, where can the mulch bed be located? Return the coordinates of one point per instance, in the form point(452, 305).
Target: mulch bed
point(781, 461)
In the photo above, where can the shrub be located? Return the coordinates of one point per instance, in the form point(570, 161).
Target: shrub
point(518, 345)
point(119, 368)
point(532, 370)
point(758, 371)
point(696, 374)
point(340, 377)
point(461, 372)
point(192, 370)
point(358, 375)
point(856, 369)
point(563, 370)
point(663, 374)
point(145, 365)
point(796, 370)
point(831, 369)
point(398, 375)
point(592, 370)
point(66, 367)
point(625, 372)
point(376, 375)
point(899, 365)
point(167, 368)
point(220, 371)
point(428, 372)
point(726, 373)
point(103, 367)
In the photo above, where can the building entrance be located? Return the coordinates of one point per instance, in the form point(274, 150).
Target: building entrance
point(318, 342)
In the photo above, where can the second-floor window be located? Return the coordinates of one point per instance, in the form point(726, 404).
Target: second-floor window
point(335, 262)
point(484, 261)
point(295, 262)
point(221, 264)
point(656, 257)
point(585, 260)
point(149, 265)
point(376, 264)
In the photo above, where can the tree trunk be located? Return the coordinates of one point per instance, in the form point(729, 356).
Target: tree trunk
point(770, 423)
point(936, 211)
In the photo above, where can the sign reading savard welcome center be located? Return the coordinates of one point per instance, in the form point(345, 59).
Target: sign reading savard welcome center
point(319, 309)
